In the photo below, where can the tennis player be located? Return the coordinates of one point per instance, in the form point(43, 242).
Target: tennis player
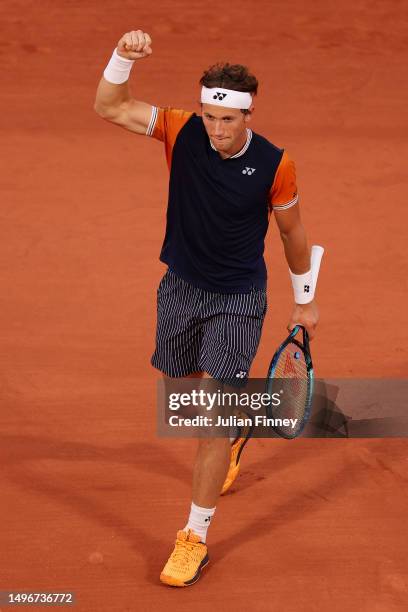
point(225, 182)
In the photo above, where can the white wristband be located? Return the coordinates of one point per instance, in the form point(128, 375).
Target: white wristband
point(303, 287)
point(118, 69)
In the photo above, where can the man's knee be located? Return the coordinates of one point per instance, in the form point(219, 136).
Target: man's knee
point(212, 443)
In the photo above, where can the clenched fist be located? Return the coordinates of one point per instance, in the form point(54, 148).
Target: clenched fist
point(135, 45)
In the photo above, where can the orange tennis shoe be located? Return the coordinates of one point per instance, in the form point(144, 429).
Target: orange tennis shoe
point(186, 561)
point(233, 471)
point(243, 435)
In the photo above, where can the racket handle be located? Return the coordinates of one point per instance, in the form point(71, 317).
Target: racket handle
point(315, 259)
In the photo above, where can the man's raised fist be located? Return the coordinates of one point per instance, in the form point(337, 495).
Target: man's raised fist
point(135, 45)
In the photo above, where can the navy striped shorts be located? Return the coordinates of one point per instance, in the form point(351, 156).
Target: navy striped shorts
point(201, 331)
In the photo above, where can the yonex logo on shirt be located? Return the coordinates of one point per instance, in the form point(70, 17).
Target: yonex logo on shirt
point(240, 374)
point(219, 95)
point(306, 288)
point(248, 171)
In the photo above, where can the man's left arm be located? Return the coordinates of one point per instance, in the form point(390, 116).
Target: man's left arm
point(284, 202)
point(297, 254)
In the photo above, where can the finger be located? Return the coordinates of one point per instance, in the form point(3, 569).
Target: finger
point(291, 326)
point(128, 41)
point(140, 41)
point(122, 43)
point(311, 331)
point(148, 42)
point(135, 40)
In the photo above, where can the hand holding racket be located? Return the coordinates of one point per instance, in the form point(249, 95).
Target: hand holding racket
point(290, 375)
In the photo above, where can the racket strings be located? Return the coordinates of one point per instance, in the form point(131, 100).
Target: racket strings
point(291, 380)
point(291, 363)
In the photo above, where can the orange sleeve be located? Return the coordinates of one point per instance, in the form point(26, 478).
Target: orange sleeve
point(284, 193)
point(165, 124)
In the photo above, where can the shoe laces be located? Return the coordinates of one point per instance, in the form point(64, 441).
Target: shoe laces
point(181, 554)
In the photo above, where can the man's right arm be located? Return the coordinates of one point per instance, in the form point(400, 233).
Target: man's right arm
point(113, 100)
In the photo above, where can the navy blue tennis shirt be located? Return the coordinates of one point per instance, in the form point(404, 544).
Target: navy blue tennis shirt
point(218, 209)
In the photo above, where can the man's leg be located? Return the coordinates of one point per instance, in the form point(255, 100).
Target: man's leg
point(211, 464)
point(210, 469)
point(231, 335)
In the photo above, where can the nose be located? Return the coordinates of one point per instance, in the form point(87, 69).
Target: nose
point(218, 130)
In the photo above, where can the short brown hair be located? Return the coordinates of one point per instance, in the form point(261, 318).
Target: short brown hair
point(230, 76)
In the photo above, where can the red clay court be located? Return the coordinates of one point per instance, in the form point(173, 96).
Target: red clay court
point(91, 497)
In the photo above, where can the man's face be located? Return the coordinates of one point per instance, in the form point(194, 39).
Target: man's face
point(226, 127)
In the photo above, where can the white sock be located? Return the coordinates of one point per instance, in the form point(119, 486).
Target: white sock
point(199, 520)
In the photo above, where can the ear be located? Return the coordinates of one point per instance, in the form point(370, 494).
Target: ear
point(248, 116)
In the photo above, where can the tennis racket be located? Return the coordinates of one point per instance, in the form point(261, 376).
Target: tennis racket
point(290, 376)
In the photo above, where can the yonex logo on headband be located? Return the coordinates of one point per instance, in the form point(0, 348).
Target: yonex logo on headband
point(226, 97)
point(219, 95)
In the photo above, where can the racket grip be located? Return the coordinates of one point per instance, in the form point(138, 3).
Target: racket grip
point(315, 260)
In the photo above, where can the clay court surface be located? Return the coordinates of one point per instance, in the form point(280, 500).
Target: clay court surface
point(91, 498)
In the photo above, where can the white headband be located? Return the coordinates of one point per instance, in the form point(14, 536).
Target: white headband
point(226, 97)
